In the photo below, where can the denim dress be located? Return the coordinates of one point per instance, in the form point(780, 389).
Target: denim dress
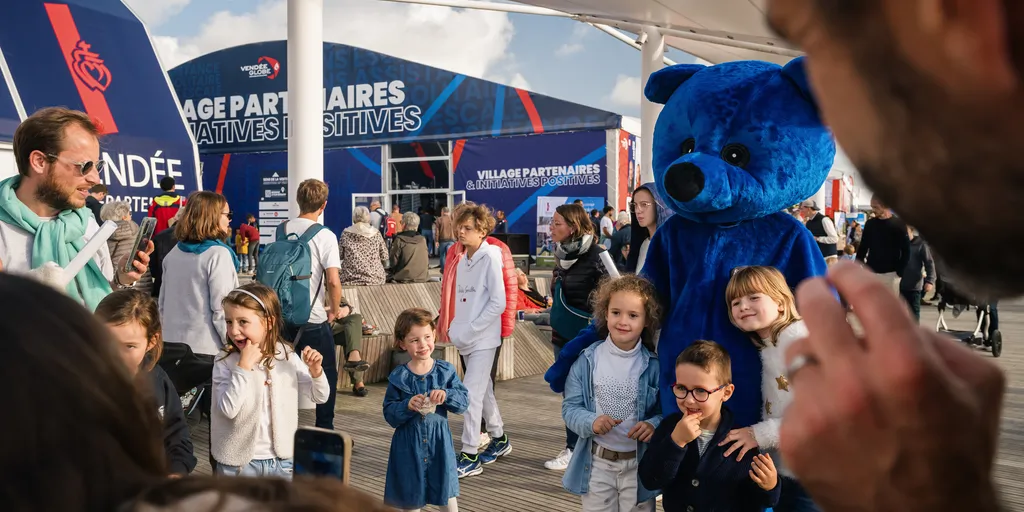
point(421, 465)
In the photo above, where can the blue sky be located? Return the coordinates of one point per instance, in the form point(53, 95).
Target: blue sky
point(552, 56)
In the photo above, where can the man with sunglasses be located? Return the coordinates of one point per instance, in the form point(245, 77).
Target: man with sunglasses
point(43, 214)
point(926, 99)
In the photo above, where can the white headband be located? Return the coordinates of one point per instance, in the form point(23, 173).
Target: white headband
point(264, 306)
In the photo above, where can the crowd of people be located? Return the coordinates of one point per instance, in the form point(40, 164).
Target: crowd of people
point(93, 420)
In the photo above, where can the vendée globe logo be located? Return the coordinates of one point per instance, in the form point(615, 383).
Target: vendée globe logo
point(265, 67)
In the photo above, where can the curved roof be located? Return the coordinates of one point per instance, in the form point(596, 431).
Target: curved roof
point(732, 21)
point(236, 101)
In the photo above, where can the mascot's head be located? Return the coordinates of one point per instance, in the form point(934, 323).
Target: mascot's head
point(738, 140)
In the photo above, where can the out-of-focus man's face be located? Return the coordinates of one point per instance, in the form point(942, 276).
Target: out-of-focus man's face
point(925, 98)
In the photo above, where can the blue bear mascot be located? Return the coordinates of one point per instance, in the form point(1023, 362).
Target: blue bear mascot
point(735, 145)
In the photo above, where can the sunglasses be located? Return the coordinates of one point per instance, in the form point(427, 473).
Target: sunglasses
point(84, 168)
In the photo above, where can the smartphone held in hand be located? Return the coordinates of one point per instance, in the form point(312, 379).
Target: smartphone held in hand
point(142, 239)
point(320, 452)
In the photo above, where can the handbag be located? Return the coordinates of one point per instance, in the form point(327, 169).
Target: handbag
point(566, 320)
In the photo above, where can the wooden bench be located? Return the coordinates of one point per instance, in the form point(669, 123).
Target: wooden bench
point(527, 352)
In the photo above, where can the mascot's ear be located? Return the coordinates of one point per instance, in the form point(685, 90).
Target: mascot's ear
point(796, 73)
point(664, 83)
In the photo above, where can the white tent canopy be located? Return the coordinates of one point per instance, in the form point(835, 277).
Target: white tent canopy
point(714, 30)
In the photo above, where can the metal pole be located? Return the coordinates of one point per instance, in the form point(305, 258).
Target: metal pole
point(626, 39)
point(305, 95)
point(653, 55)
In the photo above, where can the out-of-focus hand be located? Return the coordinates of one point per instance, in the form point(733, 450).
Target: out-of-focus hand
point(901, 419)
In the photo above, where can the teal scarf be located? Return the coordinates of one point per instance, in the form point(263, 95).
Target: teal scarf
point(58, 240)
point(201, 247)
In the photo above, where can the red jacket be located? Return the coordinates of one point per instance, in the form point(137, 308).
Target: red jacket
point(250, 232)
point(508, 318)
point(164, 207)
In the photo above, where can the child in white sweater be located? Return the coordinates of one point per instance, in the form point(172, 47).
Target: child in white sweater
point(762, 305)
point(476, 331)
point(256, 385)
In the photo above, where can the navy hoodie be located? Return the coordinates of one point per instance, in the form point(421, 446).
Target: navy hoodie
point(177, 443)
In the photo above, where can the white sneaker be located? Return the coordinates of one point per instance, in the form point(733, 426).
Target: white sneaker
point(485, 441)
point(561, 462)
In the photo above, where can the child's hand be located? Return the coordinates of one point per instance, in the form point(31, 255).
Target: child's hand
point(416, 403)
point(642, 431)
point(604, 424)
point(249, 356)
point(763, 473)
point(438, 396)
point(742, 439)
point(314, 361)
point(687, 429)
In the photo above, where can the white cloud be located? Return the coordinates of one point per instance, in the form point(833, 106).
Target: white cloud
point(626, 92)
point(519, 82)
point(155, 12)
point(466, 41)
point(568, 49)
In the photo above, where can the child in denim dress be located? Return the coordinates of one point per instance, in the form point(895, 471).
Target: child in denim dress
point(421, 393)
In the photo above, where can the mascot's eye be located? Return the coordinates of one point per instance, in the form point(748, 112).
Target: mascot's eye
point(736, 154)
point(688, 146)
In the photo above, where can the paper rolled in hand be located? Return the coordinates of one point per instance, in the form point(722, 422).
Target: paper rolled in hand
point(98, 241)
point(609, 265)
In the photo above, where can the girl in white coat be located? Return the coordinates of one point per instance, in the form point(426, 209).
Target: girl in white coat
point(257, 382)
point(762, 305)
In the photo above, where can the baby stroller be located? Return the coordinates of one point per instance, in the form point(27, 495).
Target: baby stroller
point(191, 375)
point(982, 336)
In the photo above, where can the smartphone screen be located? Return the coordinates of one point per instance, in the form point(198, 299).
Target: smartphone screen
point(321, 452)
point(141, 242)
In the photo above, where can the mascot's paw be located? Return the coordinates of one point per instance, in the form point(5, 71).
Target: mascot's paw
point(51, 274)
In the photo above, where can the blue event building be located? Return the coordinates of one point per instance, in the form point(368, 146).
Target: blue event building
point(403, 133)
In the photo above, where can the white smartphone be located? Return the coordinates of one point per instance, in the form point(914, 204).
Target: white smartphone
point(142, 239)
point(320, 452)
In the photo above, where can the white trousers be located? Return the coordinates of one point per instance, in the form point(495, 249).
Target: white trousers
point(613, 487)
point(892, 280)
point(452, 506)
point(481, 400)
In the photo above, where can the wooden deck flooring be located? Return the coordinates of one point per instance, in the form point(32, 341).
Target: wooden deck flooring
point(532, 414)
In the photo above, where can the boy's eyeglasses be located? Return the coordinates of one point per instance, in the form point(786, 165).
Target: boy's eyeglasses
point(84, 168)
point(699, 394)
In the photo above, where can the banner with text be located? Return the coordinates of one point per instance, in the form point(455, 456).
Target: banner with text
point(511, 173)
point(257, 183)
point(95, 56)
point(236, 100)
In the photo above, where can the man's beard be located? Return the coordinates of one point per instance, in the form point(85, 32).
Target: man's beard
point(55, 195)
point(953, 171)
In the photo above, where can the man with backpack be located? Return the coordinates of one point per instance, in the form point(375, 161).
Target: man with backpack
point(165, 205)
point(303, 258)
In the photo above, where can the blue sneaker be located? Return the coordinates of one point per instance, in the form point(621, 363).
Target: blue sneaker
point(498, 447)
point(468, 465)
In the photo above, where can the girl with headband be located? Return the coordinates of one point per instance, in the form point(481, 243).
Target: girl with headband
point(257, 381)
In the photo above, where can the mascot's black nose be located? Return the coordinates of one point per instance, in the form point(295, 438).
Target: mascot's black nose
point(684, 182)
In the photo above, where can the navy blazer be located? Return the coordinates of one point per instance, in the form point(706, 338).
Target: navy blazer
point(702, 483)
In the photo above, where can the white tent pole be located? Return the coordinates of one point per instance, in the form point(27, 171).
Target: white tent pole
point(652, 55)
point(691, 34)
point(626, 39)
point(305, 95)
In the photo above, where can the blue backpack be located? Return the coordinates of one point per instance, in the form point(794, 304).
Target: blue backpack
point(286, 266)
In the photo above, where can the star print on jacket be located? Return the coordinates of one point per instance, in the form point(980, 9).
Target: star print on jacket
point(783, 382)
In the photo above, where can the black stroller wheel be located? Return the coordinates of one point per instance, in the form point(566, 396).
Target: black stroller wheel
point(997, 343)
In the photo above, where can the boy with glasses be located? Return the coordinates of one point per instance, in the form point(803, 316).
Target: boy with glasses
point(686, 459)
